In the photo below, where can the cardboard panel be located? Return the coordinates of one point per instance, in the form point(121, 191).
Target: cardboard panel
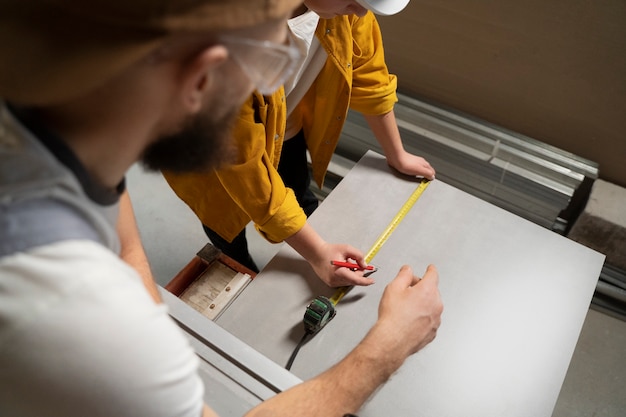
point(554, 71)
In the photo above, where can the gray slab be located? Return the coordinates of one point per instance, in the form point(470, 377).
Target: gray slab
point(515, 296)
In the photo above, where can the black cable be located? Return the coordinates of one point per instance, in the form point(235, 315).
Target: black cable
point(296, 350)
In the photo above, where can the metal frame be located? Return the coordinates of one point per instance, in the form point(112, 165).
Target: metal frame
point(236, 376)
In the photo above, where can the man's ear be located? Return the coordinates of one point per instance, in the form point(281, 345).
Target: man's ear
point(198, 74)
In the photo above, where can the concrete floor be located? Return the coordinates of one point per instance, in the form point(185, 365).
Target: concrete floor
point(595, 385)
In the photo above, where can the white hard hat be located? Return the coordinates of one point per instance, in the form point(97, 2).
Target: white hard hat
point(384, 7)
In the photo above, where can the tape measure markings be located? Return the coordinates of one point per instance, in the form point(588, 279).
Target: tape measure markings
point(406, 207)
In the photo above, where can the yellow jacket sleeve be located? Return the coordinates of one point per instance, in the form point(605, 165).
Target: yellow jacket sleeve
point(373, 88)
point(355, 75)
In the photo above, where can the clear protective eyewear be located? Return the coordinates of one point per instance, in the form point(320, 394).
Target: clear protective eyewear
point(267, 64)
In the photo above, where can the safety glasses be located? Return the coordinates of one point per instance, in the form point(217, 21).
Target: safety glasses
point(267, 64)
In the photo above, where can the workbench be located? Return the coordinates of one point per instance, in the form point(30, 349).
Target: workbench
point(515, 297)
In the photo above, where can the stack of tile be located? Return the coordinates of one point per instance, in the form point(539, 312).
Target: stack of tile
point(531, 179)
point(602, 226)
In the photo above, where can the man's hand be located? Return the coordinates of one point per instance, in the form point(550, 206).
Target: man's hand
point(409, 313)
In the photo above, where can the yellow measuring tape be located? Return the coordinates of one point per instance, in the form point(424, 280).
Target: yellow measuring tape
point(341, 291)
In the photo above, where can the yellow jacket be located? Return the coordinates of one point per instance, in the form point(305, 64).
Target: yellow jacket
point(250, 189)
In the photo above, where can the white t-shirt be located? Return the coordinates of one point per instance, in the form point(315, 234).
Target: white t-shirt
point(313, 57)
point(79, 334)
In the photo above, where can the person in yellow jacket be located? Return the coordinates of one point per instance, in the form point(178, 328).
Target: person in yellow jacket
point(342, 67)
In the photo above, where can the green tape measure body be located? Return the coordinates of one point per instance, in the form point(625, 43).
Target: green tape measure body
point(318, 314)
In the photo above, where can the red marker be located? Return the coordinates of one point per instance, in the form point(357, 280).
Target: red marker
point(352, 265)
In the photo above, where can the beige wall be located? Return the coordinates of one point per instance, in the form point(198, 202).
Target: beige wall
point(554, 70)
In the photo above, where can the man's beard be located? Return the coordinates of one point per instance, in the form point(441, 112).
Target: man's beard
point(201, 145)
